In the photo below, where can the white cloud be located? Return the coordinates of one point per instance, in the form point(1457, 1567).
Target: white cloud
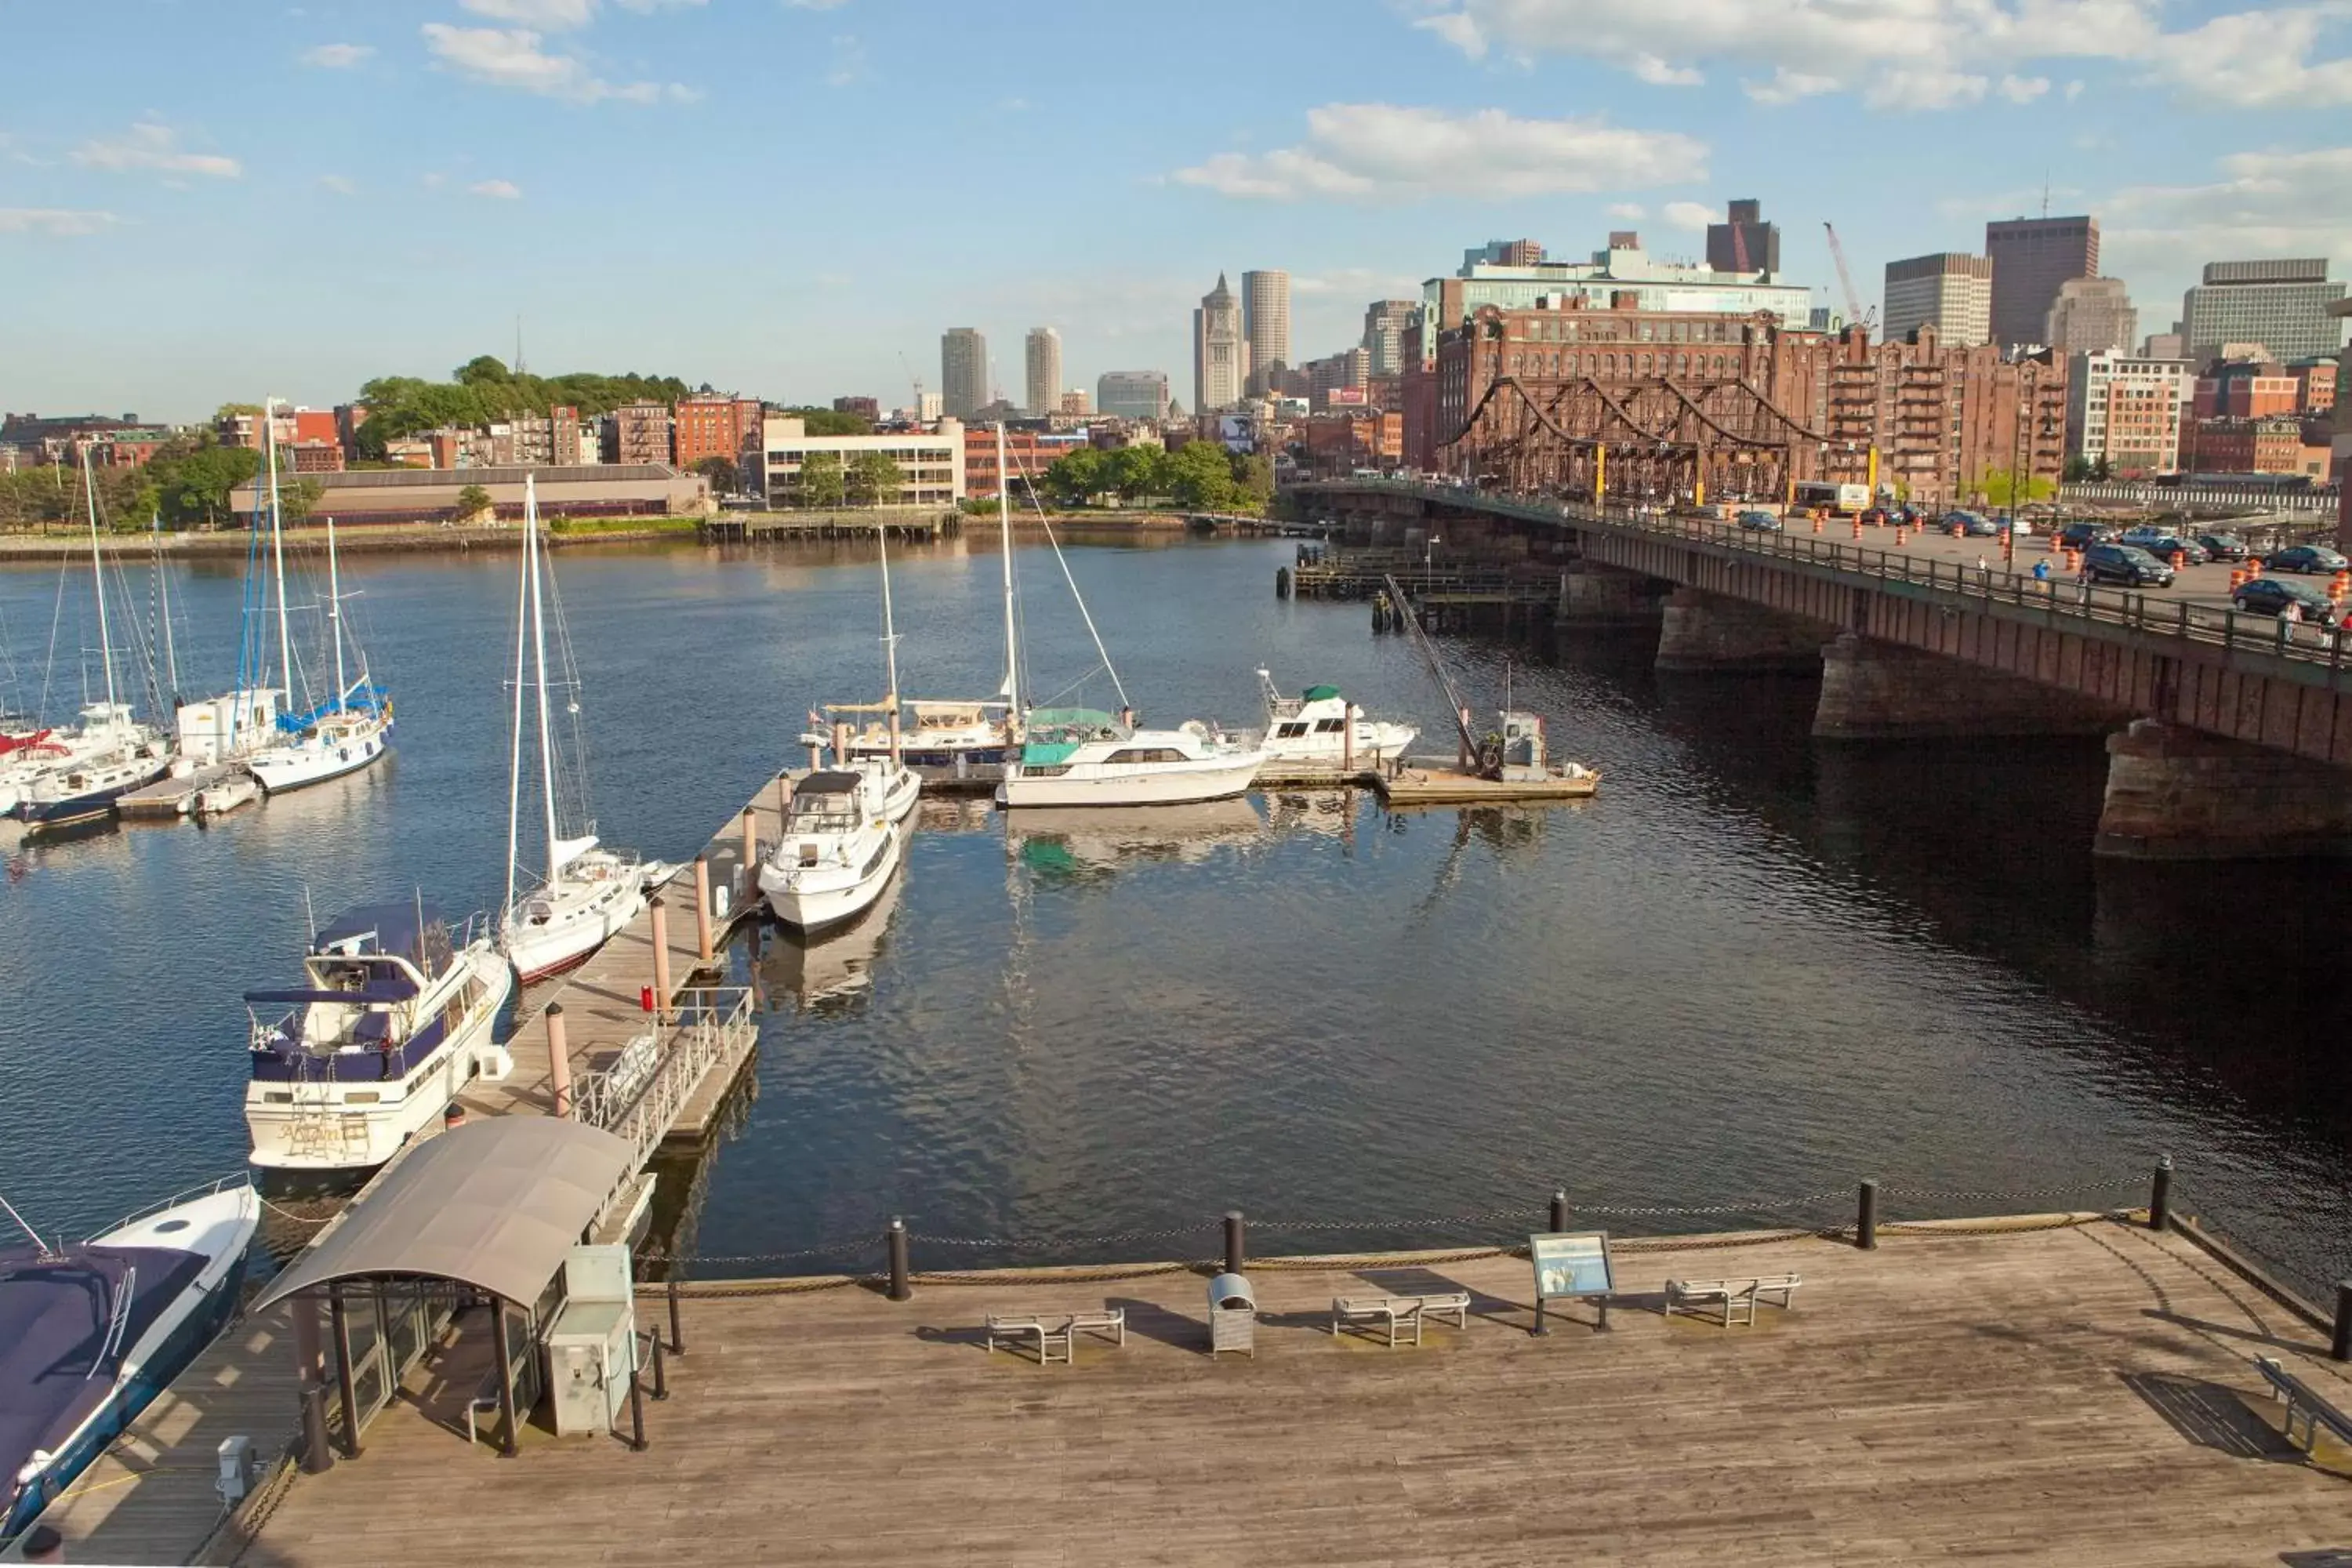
point(337, 57)
point(511, 58)
point(2074, 90)
point(57, 222)
point(150, 144)
point(555, 15)
point(497, 190)
point(848, 62)
point(2023, 89)
point(1382, 151)
point(2278, 203)
point(1627, 212)
point(341, 184)
point(1946, 53)
point(1693, 216)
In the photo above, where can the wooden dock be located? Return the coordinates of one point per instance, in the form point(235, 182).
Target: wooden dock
point(2082, 1392)
point(168, 797)
point(1426, 783)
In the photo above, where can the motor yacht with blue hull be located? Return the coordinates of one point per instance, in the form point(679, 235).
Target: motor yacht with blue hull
point(396, 1016)
point(91, 1331)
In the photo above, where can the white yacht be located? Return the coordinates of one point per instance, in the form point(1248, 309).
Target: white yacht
point(351, 728)
point(1313, 726)
point(396, 1017)
point(890, 787)
point(588, 893)
point(1077, 756)
point(836, 855)
point(950, 739)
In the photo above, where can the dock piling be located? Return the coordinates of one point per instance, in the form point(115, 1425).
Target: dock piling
point(637, 1409)
point(749, 871)
point(661, 961)
point(661, 1372)
point(2159, 1194)
point(702, 906)
point(1237, 1253)
point(1865, 1219)
point(2339, 1345)
point(559, 1059)
point(900, 1290)
point(346, 1394)
point(677, 1333)
point(1558, 1212)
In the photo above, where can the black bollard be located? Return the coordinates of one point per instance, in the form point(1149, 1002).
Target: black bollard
point(2340, 1347)
point(676, 1334)
point(1236, 1255)
point(1865, 1219)
point(637, 1412)
point(2159, 1194)
point(661, 1372)
point(1558, 1212)
point(901, 1289)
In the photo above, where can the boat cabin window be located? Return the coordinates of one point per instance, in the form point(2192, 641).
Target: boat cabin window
point(1329, 726)
point(823, 813)
point(1289, 731)
point(1147, 754)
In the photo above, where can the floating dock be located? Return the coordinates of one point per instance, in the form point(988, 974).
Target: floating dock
point(1422, 783)
point(2064, 1388)
point(171, 795)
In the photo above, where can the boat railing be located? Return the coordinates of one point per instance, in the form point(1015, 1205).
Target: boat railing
point(190, 1195)
point(119, 1323)
point(712, 1025)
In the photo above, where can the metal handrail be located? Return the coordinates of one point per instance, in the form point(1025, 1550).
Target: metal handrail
point(2233, 630)
point(703, 1036)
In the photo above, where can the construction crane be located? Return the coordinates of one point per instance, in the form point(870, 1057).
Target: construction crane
point(917, 411)
point(1739, 246)
point(1854, 314)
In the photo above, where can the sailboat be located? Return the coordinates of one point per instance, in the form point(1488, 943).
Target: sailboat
point(1078, 756)
point(845, 830)
point(351, 729)
point(588, 893)
point(80, 773)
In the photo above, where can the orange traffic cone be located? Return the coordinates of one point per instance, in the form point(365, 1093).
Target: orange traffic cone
point(2179, 559)
point(2338, 586)
point(2237, 578)
point(1902, 534)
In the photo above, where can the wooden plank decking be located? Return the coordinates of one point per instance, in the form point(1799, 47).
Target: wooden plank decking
point(2080, 1395)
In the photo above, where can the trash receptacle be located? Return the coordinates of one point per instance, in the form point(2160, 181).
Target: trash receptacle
point(1232, 1315)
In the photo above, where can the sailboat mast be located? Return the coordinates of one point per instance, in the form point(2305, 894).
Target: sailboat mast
point(514, 756)
point(163, 591)
point(335, 613)
point(1004, 527)
point(278, 547)
point(539, 655)
point(889, 644)
point(98, 581)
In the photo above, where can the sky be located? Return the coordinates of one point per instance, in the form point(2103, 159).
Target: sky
point(205, 201)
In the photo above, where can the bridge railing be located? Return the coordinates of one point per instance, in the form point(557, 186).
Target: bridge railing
point(2055, 598)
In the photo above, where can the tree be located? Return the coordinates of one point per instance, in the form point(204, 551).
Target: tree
point(192, 476)
point(2000, 488)
point(832, 421)
point(1253, 480)
point(1199, 479)
point(471, 501)
point(1139, 471)
point(873, 478)
point(298, 500)
point(823, 481)
point(720, 472)
point(232, 410)
point(1076, 478)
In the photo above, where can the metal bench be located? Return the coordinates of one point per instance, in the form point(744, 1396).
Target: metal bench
point(1734, 1299)
point(1400, 1315)
point(1056, 1333)
point(2303, 1401)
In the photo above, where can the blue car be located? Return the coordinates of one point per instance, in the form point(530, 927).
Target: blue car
point(2305, 558)
point(1759, 521)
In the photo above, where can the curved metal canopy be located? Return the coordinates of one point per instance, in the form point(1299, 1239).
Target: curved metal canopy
point(496, 1204)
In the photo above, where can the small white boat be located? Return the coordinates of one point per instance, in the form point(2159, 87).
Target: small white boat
point(91, 1331)
point(1314, 727)
point(890, 787)
point(1080, 757)
point(588, 894)
point(223, 795)
point(836, 855)
point(947, 738)
point(396, 1017)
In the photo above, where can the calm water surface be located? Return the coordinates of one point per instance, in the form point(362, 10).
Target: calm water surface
point(1754, 969)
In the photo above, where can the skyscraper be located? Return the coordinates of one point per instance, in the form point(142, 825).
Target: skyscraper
point(2031, 257)
point(1266, 321)
point(1220, 351)
point(1746, 236)
point(1948, 292)
point(2282, 305)
point(1384, 324)
point(1045, 379)
point(2092, 316)
point(964, 372)
point(1132, 394)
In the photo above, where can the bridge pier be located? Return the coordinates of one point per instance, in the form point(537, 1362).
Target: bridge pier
point(1707, 632)
point(2177, 794)
point(1596, 598)
point(1874, 690)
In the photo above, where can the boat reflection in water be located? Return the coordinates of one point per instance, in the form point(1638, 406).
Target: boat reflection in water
point(834, 968)
point(1091, 841)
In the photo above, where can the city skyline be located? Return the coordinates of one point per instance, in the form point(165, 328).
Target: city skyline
point(166, 245)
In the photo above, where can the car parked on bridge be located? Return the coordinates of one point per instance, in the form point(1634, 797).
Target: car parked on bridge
point(1973, 525)
point(2082, 535)
point(2164, 544)
point(1760, 523)
point(2224, 546)
point(2272, 596)
point(2127, 565)
point(2305, 558)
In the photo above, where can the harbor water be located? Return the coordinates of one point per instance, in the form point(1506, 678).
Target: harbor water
point(1754, 970)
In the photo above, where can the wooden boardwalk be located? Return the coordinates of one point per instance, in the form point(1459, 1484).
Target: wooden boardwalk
point(2080, 1395)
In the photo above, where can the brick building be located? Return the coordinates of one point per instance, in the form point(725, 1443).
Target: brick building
point(715, 427)
point(1027, 454)
point(1940, 419)
point(637, 433)
point(867, 409)
point(2246, 389)
point(2273, 444)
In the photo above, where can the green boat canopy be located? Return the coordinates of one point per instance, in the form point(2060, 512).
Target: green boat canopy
point(1321, 693)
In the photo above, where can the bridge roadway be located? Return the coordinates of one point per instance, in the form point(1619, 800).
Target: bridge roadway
point(2181, 656)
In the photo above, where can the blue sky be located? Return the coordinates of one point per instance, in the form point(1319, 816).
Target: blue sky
point(203, 200)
